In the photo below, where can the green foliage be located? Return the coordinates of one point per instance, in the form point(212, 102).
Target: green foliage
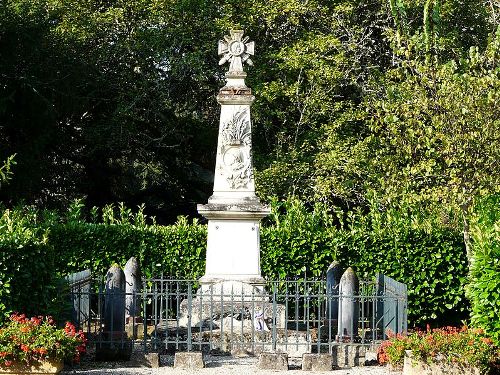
point(432, 264)
point(484, 288)
point(430, 260)
point(27, 342)
point(27, 263)
point(295, 242)
point(416, 141)
point(466, 347)
point(117, 234)
point(5, 170)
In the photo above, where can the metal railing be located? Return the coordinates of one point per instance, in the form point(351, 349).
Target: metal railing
point(290, 315)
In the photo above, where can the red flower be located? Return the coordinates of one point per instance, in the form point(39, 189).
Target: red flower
point(8, 363)
point(25, 348)
point(70, 329)
point(18, 318)
point(487, 340)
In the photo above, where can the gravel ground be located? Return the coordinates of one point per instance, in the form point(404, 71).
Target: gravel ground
point(214, 366)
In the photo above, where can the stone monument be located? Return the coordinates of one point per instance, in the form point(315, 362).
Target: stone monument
point(233, 284)
point(132, 274)
point(114, 343)
point(348, 314)
point(234, 211)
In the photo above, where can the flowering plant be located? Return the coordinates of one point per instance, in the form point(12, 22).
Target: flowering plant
point(28, 341)
point(464, 346)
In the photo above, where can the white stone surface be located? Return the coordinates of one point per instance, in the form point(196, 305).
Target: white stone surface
point(234, 211)
point(234, 249)
point(234, 180)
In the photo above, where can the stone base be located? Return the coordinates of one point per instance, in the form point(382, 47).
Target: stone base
point(213, 311)
point(317, 362)
point(351, 355)
point(134, 330)
point(242, 288)
point(151, 360)
point(273, 361)
point(42, 367)
point(189, 360)
point(415, 367)
point(235, 342)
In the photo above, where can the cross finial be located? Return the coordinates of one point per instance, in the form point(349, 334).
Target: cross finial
point(237, 50)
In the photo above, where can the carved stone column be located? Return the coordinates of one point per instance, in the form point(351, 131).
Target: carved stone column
point(234, 211)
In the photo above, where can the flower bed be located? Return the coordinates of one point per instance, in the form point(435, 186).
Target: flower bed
point(441, 350)
point(37, 345)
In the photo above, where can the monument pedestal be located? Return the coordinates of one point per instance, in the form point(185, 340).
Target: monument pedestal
point(233, 248)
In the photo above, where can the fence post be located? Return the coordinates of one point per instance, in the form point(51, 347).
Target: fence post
point(274, 317)
point(190, 310)
point(144, 318)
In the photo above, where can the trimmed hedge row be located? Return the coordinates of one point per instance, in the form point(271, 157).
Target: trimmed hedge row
point(27, 263)
point(484, 289)
point(294, 241)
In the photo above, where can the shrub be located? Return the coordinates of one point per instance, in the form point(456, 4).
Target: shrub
point(176, 250)
point(27, 341)
point(484, 288)
point(431, 262)
point(466, 347)
point(28, 281)
point(295, 241)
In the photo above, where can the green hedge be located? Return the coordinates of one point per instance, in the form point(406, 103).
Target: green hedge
point(177, 250)
point(484, 288)
point(431, 262)
point(27, 264)
point(294, 241)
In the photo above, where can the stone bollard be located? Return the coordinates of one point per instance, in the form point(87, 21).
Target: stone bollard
point(188, 360)
point(116, 345)
point(348, 306)
point(333, 275)
point(151, 360)
point(317, 362)
point(132, 288)
point(273, 361)
point(114, 300)
point(132, 297)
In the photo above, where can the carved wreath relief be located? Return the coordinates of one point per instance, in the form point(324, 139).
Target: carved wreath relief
point(235, 150)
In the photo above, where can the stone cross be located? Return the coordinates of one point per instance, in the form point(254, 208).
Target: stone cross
point(237, 50)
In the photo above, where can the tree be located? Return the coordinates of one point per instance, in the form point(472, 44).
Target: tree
point(431, 137)
point(97, 101)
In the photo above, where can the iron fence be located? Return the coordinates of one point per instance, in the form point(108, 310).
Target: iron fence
point(295, 316)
